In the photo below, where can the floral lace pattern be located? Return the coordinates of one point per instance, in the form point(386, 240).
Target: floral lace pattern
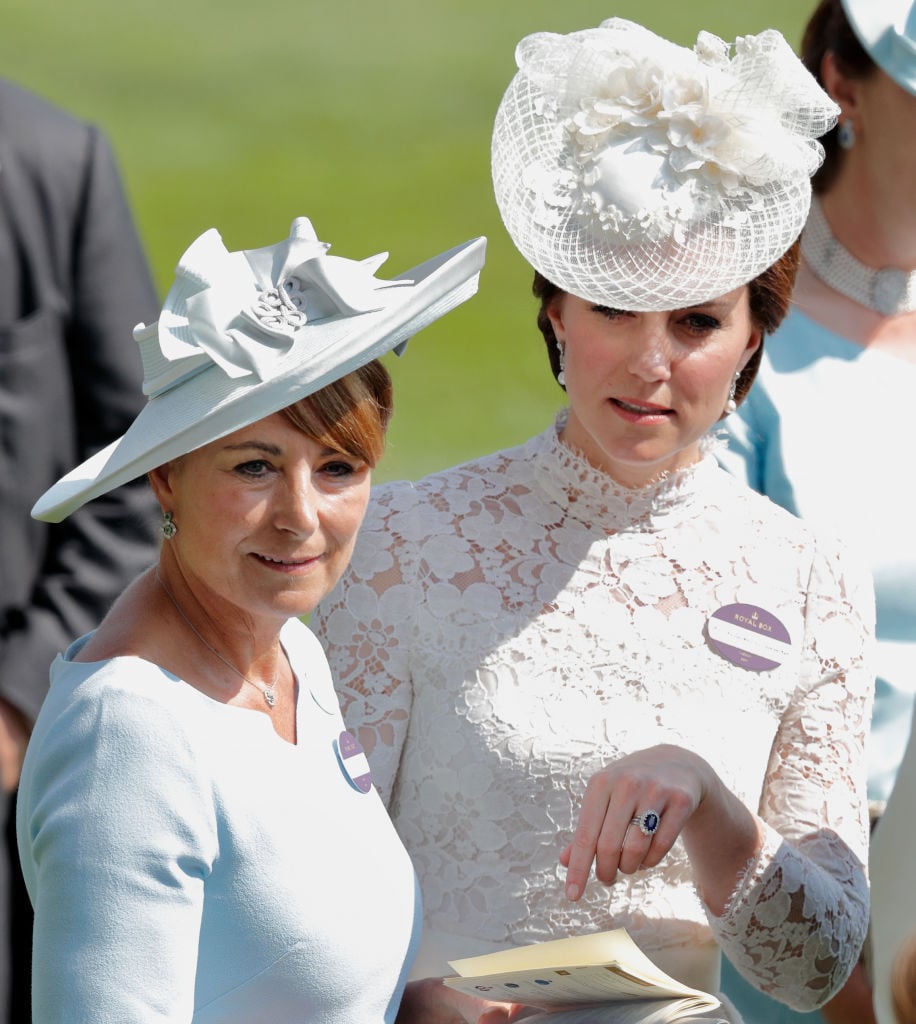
point(509, 626)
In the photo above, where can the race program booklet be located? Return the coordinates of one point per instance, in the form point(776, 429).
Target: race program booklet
point(602, 978)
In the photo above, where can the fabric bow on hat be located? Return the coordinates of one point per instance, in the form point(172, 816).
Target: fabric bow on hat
point(243, 335)
point(243, 310)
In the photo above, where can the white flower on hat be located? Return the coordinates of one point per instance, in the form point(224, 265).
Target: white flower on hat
point(659, 136)
point(623, 162)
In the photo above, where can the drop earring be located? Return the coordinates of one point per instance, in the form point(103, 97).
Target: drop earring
point(169, 529)
point(846, 134)
point(561, 375)
point(731, 405)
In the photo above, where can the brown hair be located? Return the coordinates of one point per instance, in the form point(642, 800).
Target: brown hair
point(829, 31)
point(350, 415)
point(769, 295)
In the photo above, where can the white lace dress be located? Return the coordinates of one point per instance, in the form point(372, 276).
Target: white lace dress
point(509, 626)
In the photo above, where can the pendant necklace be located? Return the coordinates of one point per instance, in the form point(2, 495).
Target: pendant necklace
point(269, 693)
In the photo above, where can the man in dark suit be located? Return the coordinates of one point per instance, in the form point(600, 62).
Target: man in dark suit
point(73, 283)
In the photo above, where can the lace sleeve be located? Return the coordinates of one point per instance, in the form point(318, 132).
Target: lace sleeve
point(797, 919)
point(364, 626)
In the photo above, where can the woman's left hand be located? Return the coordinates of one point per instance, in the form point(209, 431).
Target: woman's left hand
point(677, 786)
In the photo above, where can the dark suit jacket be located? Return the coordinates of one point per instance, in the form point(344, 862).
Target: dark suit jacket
point(73, 283)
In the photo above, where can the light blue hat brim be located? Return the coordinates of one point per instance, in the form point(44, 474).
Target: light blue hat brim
point(887, 31)
point(212, 404)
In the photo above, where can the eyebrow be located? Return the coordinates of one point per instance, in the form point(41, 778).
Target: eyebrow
point(714, 305)
point(272, 449)
point(720, 302)
point(261, 446)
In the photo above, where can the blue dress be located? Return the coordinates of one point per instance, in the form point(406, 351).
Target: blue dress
point(189, 865)
point(827, 432)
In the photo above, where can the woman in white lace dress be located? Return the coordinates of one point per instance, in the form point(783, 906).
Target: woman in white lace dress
point(598, 649)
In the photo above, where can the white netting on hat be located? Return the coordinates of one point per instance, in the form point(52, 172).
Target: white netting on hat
point(635, 172)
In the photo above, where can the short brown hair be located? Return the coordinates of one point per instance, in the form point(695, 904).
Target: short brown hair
point(350, 415)
point(769, 295)
point(828, 31)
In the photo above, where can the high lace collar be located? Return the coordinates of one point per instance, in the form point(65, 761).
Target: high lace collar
point(596, 499)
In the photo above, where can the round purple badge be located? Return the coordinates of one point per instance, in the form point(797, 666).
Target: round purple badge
point(749, 636)
point(353, 762)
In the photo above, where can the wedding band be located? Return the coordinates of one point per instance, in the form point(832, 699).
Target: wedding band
point(648, 822)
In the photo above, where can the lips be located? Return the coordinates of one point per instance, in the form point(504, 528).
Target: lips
point(288, 563)
point(641, 408)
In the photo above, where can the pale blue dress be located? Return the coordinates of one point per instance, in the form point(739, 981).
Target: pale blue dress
point(828, 432)
point(186, 864)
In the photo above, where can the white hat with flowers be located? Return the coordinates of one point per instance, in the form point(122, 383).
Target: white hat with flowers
point(641, 174)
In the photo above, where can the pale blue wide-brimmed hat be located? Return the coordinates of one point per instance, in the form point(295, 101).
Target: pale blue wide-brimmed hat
point(887, 31)
point(244, 334)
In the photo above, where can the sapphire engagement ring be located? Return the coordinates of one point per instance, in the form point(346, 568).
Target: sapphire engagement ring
point(648, 822)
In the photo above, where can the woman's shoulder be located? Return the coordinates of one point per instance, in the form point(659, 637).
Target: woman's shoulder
point(769, 528)
point(480, 477)
point(736, 493)
point(126, 705)
point(120, 757)
point(305, 653)
point(76, 679)
point(766, 523)
point(114, 739)
point(806, 343)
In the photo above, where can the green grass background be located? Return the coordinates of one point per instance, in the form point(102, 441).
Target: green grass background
point(372, 119)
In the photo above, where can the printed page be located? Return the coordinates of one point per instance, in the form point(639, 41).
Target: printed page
point(561, 987)
point(596, 948)
point(580, 969)
point(651, 1012)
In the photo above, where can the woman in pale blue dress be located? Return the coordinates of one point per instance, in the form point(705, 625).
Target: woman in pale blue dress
point(199, 835)
point(827, 430)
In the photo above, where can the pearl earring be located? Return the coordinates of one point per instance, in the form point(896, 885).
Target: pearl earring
point(731, 405)
point(561, 376)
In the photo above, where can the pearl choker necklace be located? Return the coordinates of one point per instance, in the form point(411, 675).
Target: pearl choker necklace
point(888, 291)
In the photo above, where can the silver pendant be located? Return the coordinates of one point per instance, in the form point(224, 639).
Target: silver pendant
point(270, 697)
